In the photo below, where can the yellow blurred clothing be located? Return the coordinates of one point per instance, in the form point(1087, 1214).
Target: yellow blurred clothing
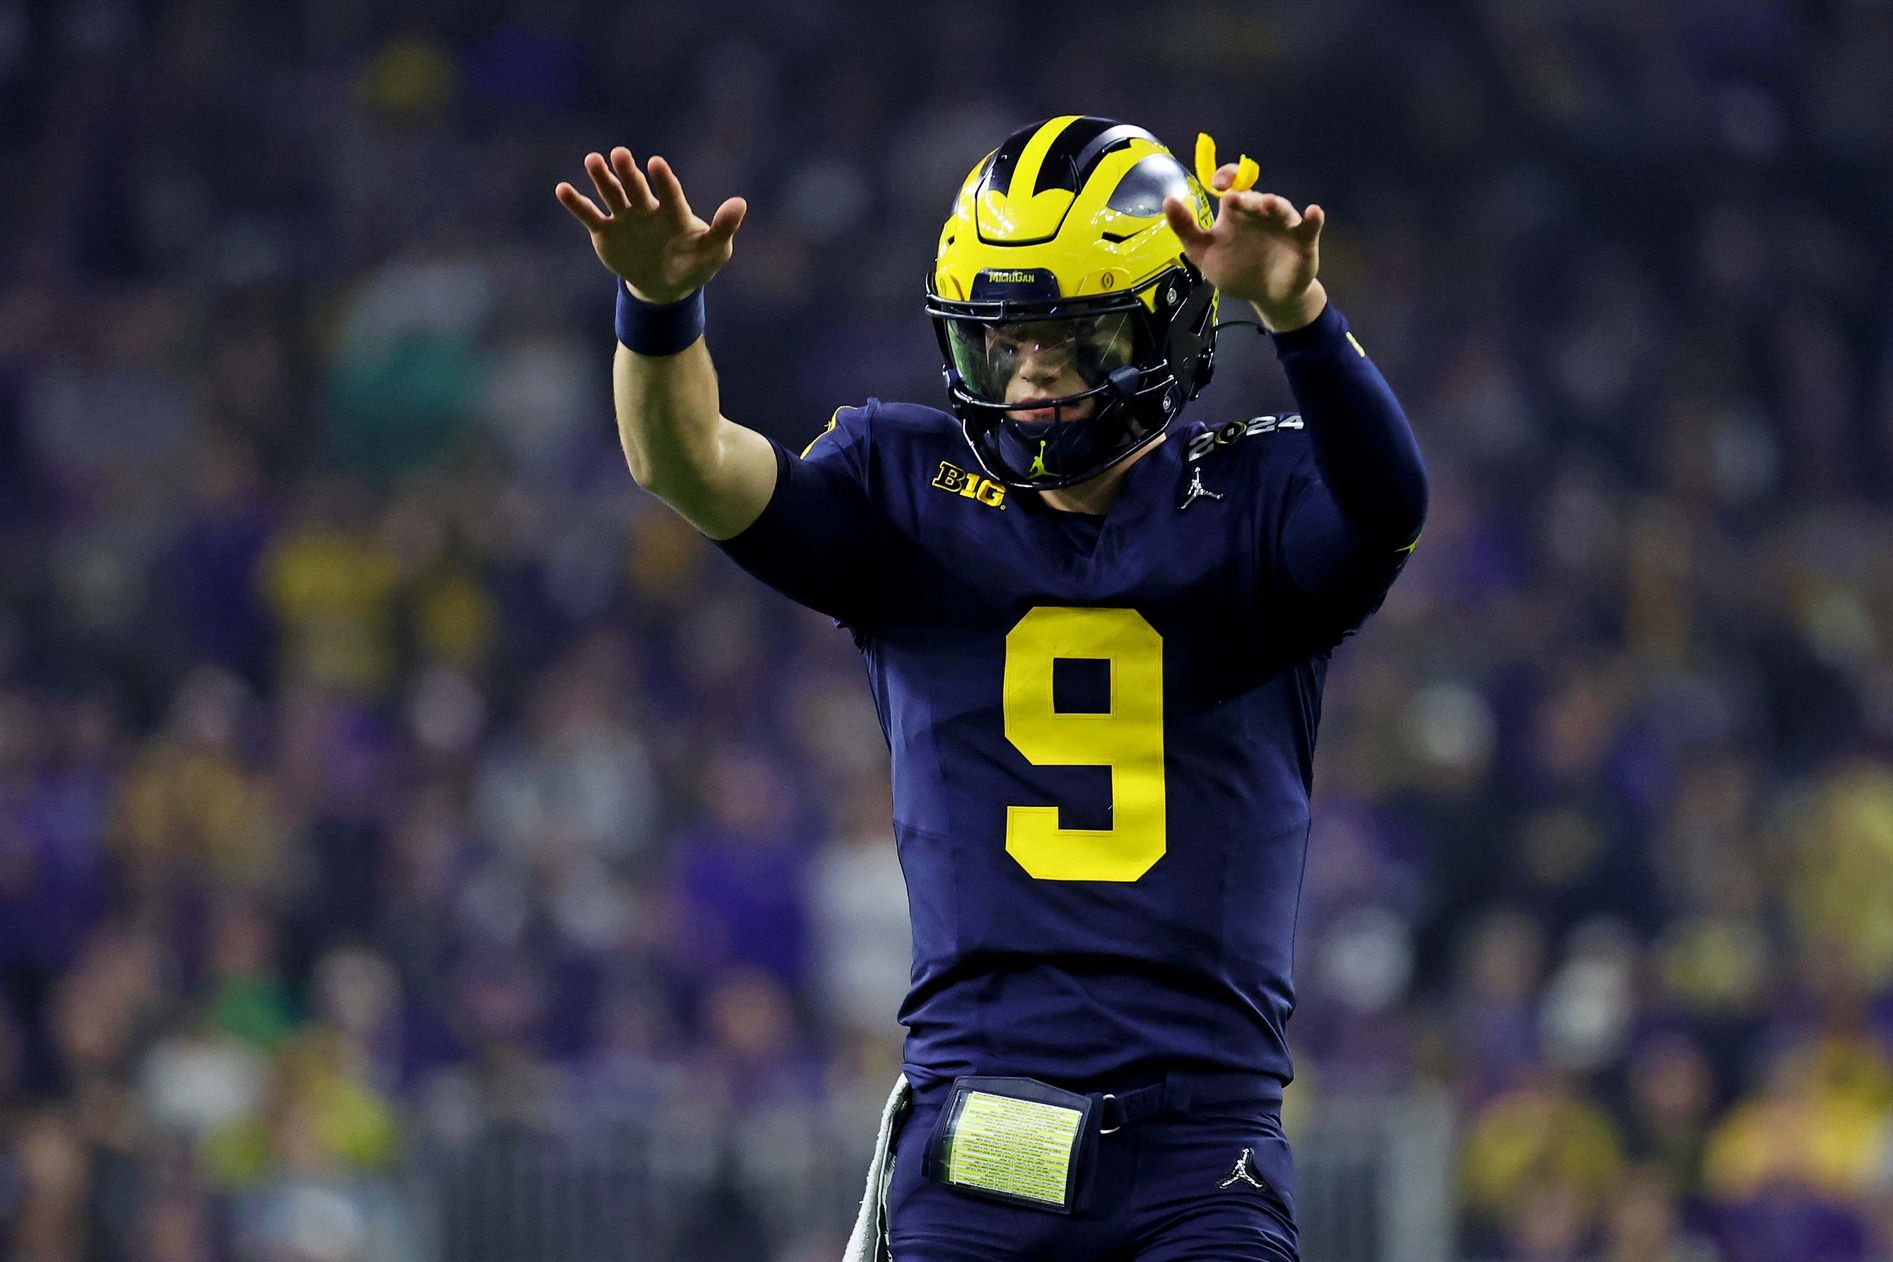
point(409, 78)
point(1534, 1136)
point(1855, 1070)
point(1716, 963)
point(455, 619)
point(1842, 839)
point(664, 557)
point(333, 595)
point(1823, 1126)
point(199, 806)
point(323, 1118)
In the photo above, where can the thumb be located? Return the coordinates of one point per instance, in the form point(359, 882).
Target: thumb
point(728, 218)
point(1310, 226)
point(1183, 223)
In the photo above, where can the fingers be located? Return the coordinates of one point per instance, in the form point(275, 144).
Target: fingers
point(1311, 222)
point(1278, 210)
point(670, 193)
point(620, 186)
point(728, 218)
point(1182, 221)
point(581, 207)
point(626, 169)
point(1224, 177)
point(610, 191)
point(1274, 210)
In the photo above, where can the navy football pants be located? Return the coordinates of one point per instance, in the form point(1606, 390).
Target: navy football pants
point(1156, 1195)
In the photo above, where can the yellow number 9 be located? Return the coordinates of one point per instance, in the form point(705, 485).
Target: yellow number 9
point(1127, 737)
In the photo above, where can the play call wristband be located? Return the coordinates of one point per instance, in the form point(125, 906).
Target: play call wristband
point(653, 328)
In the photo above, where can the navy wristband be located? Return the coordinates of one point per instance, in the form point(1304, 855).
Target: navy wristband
point(1329, 326)
point(650, 328)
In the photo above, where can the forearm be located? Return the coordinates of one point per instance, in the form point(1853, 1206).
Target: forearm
point(1363, 447)
point(678, 445)
point(668, 415)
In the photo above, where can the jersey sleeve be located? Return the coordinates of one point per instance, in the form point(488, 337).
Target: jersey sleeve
point(820, 540)
point(1356, 503)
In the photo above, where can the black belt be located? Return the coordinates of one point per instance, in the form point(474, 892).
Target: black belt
point(1032, 1143)
point(1126, 1106)
point(1180, 1093)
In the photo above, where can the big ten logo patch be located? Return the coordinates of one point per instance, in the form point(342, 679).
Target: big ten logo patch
point(974, 487)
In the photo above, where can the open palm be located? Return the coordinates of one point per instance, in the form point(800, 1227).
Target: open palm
point(646, 231)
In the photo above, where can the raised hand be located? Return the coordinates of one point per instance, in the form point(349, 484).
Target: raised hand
point(1260, 249)
point(646, 232)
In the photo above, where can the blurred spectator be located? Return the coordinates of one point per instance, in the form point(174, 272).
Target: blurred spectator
point(1644, 1223)
point(740, 875)
point(1539, 1164)
point(380, 771)
point(858, 905)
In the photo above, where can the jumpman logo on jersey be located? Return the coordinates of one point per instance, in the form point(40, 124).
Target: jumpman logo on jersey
point(1241, 1174)
point(1038, 468)
point(1197, 491)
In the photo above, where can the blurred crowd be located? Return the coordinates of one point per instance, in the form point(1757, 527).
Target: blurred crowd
point(376, 761)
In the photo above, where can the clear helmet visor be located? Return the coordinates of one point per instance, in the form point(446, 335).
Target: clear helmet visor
point(1039, 359)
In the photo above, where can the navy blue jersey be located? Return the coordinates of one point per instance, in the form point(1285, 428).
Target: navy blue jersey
point(1102, 727)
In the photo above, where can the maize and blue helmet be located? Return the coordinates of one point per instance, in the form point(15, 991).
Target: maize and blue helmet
point(1073, 328)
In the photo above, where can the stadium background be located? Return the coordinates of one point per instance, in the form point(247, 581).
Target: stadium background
point(416, 843)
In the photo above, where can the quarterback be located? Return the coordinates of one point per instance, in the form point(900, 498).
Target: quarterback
point(1096, 637)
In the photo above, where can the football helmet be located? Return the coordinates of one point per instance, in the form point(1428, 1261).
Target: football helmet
point(1072, 327)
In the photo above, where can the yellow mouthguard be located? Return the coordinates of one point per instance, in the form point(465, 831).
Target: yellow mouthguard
point(1247, 170)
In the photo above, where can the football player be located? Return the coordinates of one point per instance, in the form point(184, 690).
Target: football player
point(1096, 638)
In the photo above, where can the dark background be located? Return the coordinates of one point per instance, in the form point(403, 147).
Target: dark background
point(378, 764)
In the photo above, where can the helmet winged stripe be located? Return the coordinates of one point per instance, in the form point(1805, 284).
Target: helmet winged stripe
point(1025, 176)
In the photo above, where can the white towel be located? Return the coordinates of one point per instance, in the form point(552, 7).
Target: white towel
point(868, 1242)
